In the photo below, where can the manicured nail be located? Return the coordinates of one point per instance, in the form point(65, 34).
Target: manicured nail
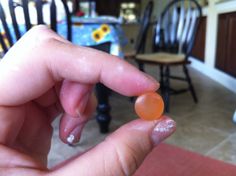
point(151, 78)
point(74, 135)
point(163, 129)
point(82, 104)
point(70, 139)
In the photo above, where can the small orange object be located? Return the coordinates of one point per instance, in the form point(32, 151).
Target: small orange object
point(149, 106)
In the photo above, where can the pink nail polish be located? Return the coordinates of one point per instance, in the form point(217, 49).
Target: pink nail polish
point(163, 129)
point(74, 135)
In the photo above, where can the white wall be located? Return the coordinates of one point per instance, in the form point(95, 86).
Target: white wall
point(208, 67)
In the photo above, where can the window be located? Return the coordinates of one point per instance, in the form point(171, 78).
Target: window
point(129, 11)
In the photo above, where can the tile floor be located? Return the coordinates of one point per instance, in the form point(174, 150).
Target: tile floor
point(205, 127)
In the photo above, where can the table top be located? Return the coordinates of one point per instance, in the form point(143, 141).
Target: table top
point(96, 20)
point(90, 34)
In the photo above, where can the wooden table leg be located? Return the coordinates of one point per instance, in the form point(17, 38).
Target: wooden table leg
point(103, 109)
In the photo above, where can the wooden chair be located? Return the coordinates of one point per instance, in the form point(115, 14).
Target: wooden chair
point(76, 6)
point(175, 32)
point(40, 20)
point(142, 34)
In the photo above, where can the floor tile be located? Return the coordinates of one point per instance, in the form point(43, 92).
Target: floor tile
point(205, 127)
point(225, 151)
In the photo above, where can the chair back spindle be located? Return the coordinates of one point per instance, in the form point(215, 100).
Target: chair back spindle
point(5, 26)
point(15, 34)
point(176, 28)
point(144, 24)
point(26, 14)
point(53, 16)
point(3, 20)
point(68, 20)
point(39, 7)
point(12, 6)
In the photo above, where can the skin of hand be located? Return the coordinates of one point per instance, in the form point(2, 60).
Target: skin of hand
point(42, 76)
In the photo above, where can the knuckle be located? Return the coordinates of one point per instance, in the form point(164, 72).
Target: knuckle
point(43, 30)
point(39, 28)
point(41, 34)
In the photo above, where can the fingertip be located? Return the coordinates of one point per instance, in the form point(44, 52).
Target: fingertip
point(154, 84)
point(74, 136)
point(143, 82)
point(70, 129)
point(163, 129)
point(156, 131)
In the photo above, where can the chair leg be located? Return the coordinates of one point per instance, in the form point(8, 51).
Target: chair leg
point(191, 88)
point(141, 66)
point(103, 116)
point(166, 89)
point(162, 79)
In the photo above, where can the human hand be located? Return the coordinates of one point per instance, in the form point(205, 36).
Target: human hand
point(44, 75)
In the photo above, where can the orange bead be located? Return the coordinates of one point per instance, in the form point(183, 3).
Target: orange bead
point(149, 106)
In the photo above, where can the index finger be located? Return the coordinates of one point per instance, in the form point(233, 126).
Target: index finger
point(41, 58)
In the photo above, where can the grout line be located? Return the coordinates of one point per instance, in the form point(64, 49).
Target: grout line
point(218, 145)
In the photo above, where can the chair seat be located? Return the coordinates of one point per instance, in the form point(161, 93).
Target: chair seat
point(161, 58)
point(130, 53)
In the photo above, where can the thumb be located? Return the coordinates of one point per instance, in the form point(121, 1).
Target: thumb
point(122, 152)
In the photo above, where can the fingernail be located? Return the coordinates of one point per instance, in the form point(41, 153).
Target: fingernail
point(74, 135)
point(70, 139)
point(82, 104)
point(152, 79)
point(162, 130)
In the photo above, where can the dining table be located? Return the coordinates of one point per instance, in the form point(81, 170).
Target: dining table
point(103, 33)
